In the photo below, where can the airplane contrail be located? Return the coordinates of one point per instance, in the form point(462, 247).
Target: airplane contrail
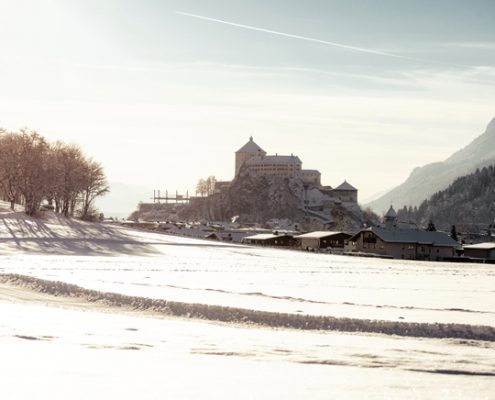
point(326, 42)
point(306, 38)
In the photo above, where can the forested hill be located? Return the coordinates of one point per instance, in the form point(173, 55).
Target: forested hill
point(427, 180)
point(468, 201)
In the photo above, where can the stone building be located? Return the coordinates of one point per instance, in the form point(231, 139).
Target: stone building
point(345, 192)
point(282, 166)
point(254, 158)
point(249, 150)
point(311, 176)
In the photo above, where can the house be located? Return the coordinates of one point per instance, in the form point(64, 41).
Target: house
point(270, 239)
point(322, 240)
point(402, 241)
point(480, 250)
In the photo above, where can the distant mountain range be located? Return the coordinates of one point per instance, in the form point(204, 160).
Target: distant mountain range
point(425, 181)
point(123, 199)
point(469, 201)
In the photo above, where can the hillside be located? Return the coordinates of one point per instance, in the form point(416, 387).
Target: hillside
point(257, 199)
point(469, 201)
point(429, 179)
point(54, 234)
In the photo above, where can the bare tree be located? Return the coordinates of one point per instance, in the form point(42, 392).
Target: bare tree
point(32, 170)
point(95, 185)
point(201, 187)
point(206, 187)
point(9, 167)
point(32, 183)
point(210, 185)
point(68, 174)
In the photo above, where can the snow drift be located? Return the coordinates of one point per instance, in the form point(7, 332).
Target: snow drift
point(246, 316)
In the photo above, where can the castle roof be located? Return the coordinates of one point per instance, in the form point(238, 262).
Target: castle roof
point(250, 147)
point(345, 186)
point(256, 160)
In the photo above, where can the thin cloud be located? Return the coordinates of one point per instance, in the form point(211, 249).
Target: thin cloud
point(314, 40)
point(472, 45)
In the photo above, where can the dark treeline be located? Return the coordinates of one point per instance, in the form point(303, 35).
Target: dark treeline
point(33, 171)
point(469, 201)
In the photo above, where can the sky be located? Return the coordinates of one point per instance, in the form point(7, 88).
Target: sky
point(163, 93)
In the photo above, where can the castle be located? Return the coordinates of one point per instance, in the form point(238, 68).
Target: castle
point(253, 158)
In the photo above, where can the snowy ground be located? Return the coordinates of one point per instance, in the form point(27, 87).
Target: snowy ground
point(83, 346)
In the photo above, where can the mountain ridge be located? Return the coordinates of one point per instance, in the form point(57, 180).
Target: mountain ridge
point(425, 181)
point(468, 202)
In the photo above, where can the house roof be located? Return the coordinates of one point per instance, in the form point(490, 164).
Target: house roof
point(391, 213)
point(416, 236)
point(481, 246)
point(345, 186)
point(317, 235)
point(264, 236)
point(256, 160)
point(251, 147)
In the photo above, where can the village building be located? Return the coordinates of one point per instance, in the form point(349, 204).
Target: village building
point(402, 241)
point(322, 240)
point(480, 250)
point(270, 239)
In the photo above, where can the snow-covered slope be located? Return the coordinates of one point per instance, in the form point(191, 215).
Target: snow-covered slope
point(88, 309)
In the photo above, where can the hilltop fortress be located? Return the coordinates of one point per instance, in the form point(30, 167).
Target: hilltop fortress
point(270, 188)
point(252, 158)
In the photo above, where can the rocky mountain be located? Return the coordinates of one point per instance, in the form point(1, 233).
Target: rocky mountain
point(468, 203)
point(252, 199)
point(429, 179)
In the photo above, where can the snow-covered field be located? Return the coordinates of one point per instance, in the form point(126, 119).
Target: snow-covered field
point(388, 329)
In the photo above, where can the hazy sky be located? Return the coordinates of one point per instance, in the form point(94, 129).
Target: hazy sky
point(362, 90)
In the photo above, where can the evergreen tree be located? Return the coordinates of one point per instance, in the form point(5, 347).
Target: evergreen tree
point(431, 226)
point(453, 233)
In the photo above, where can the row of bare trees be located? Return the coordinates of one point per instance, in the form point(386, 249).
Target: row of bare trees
point(34, 171)
point(205, 187)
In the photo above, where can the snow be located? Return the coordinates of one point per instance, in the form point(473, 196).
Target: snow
point(79, 343)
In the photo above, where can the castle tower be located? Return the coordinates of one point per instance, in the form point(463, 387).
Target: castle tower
point(250, 149)
point(346, 192)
